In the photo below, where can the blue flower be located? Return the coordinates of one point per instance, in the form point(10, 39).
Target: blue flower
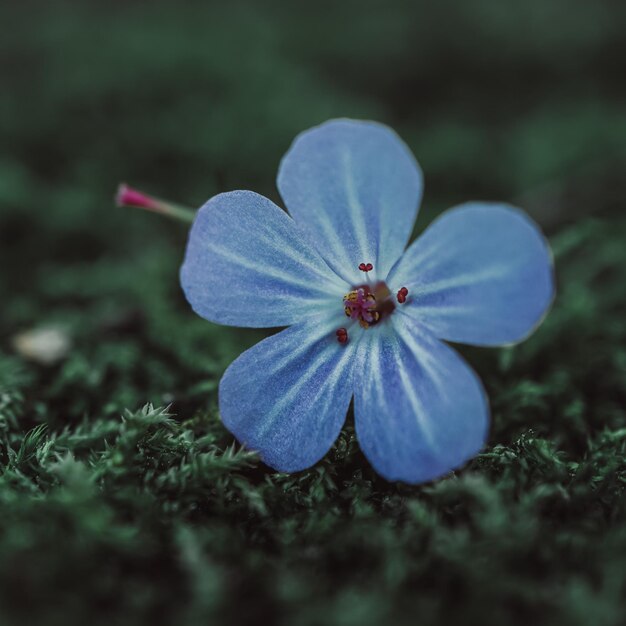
point(365, 317)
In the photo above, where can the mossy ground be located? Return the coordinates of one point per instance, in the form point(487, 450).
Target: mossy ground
point(113, 512)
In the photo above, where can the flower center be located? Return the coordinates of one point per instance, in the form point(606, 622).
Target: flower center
point(369, 303)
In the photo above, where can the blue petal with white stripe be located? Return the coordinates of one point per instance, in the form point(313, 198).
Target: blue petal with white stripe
point(287, 397)
point(419, 410)
point(480, 274)
point(356, 187)
point(249, 264)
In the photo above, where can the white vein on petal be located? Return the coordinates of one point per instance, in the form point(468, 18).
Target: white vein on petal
point(356, 208)
point(409, 265)
point(461, 280)
point(417, 312)
point(335, 246)
point(266, 270)
point(317, 268)
point(416, 403)
point(426, 359)
point(371, 356)
point(311, 369)
point(324, 327)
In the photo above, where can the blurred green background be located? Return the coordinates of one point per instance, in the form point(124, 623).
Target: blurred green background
point(113, 513)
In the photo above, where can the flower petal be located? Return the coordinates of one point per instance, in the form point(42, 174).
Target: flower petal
point(357, 188)
point(287, 397)
point(419, 410)
point(480, 274)
point(248, 264)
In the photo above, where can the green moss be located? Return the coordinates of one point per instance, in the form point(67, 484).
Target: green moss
point(113, 511)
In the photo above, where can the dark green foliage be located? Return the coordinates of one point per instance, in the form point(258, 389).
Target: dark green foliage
point(113, 511)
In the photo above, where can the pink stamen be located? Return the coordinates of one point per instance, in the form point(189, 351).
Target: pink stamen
point(403, 292)
point(366, 267)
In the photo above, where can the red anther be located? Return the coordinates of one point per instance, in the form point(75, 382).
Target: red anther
point(366, 267)
point(402, 294)
point(342, 335)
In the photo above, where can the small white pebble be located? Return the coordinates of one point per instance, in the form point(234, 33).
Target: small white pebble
point(46, 345)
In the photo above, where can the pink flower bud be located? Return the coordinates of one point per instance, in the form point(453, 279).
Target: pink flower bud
point(127, 196)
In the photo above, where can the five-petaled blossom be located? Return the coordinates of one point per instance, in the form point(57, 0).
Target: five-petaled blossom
point(365, 317)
